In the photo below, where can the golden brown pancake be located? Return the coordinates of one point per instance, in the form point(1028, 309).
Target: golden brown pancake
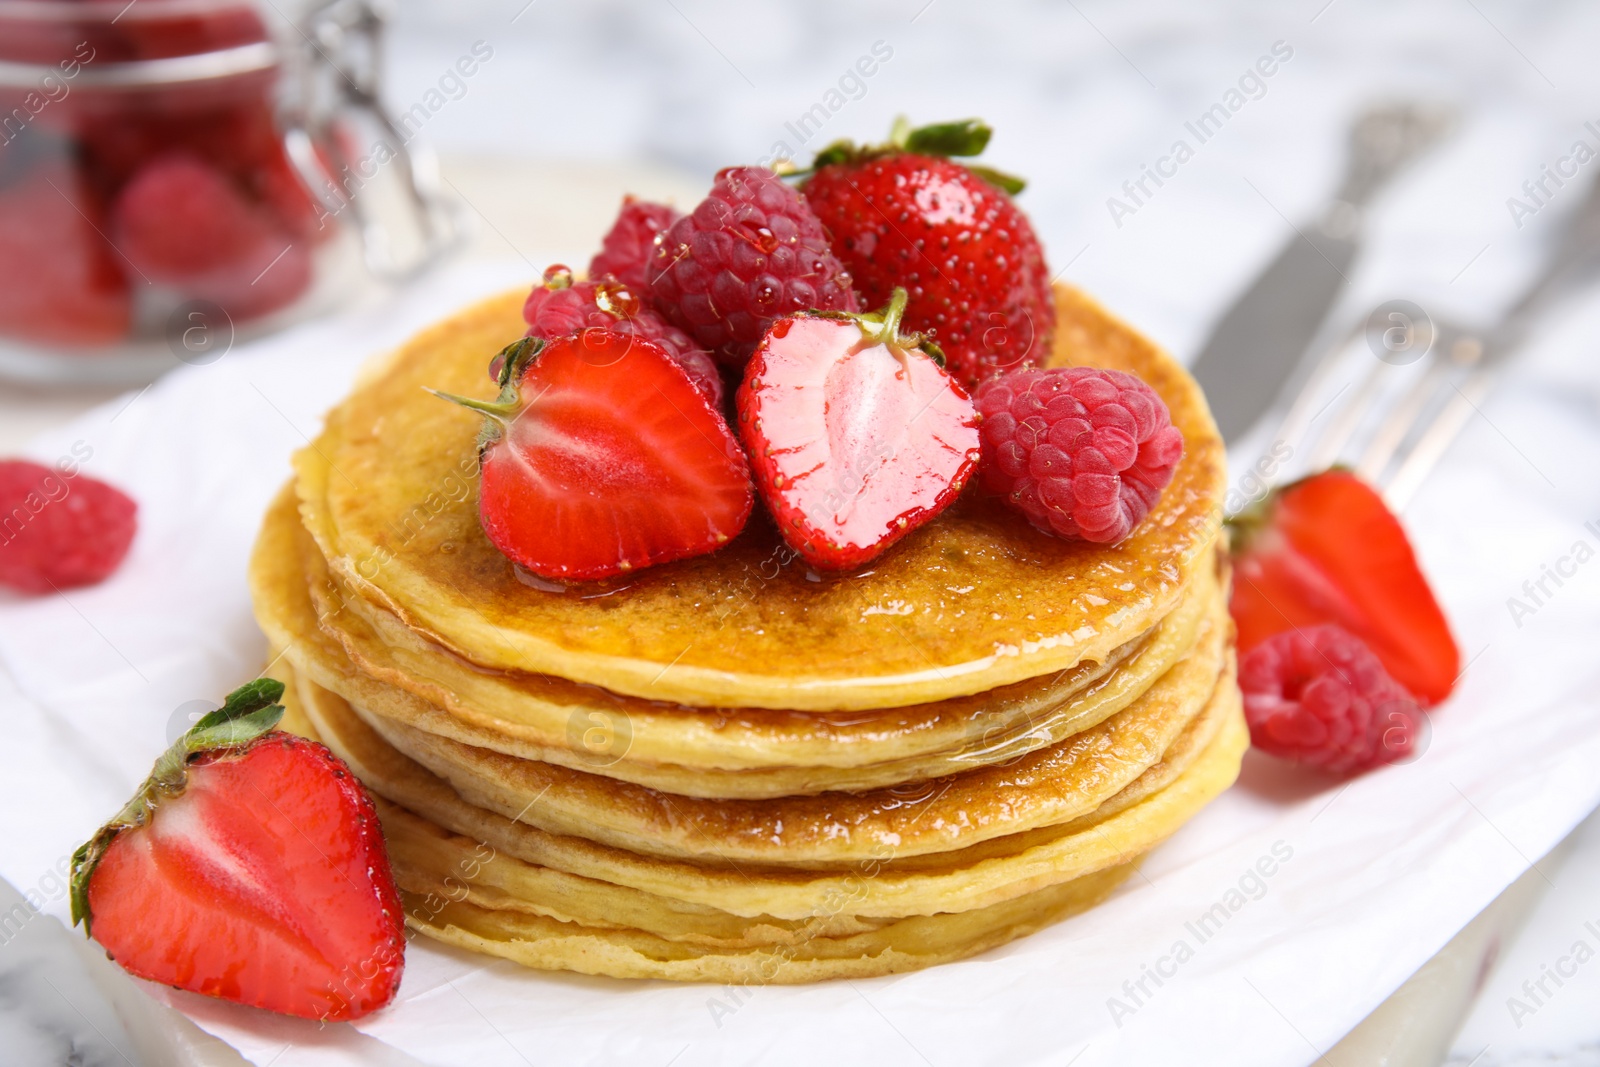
point(469, 893)
point(974, 600)
point(533, 717)
point(901, 945)
point(1043, 788)
point(804, 776)
point(879, 887)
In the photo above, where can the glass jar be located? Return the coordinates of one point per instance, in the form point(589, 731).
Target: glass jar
point(165, 164)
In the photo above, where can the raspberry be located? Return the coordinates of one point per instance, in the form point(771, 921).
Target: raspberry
point(57, 532)
point(1320, 696)
point(751, 252)
point(626, 251)
point(184, 223)
point(1083, 453)
point(561, 306)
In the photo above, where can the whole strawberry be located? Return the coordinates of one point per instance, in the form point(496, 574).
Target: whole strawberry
point(628, 248)
point(1084, 453)
point(560, 306)
point(750, 253)
point(249, 866)
point(905, 214)
point(856, 434)
point(601, 456)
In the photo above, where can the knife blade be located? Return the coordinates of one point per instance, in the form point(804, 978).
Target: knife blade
point(1259, 341)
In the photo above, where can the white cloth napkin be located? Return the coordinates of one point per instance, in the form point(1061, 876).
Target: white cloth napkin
point(1286, 911)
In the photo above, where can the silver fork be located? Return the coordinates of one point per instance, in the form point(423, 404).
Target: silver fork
point(1455, 364)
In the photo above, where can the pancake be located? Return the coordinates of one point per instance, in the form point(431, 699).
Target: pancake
point(879, 887)
point(903, 945)
point(798, 776)
point(466, 893)
point(532, 717)
point(975, 600)
point(1043, 788)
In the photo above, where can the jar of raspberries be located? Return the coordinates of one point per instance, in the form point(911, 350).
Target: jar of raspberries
point(173, 179)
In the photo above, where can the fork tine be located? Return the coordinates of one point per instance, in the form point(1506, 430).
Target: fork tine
point(1338, 432)
point(1297, 421)
point(1431, 445)
point(1462, 351)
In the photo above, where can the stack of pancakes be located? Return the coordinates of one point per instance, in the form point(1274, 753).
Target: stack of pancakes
point(733, 768)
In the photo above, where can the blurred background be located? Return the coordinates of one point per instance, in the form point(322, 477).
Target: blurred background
point(526, 121)
point(567, 106)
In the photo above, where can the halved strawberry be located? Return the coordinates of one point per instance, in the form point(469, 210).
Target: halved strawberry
point(856, 434)
point(1328, 550)
point(601, 455)
point(248, 867)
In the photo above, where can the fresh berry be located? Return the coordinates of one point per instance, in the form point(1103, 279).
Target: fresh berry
point(904, 214)
point(250, 867)
point(750, 253)
point(182, 223)
point(601, 456)
point(59, 531)
point(856, 434)
point(559, 306)
point(278, 185)
point(1328, 550)
point(1319, 696)
point(627, 250)
point(60, 281)
point(1083, 453)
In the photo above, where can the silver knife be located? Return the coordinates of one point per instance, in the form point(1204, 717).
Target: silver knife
point(1259, 341)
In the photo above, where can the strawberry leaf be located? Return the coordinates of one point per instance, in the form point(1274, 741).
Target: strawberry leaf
point(967, 137)
point(261, 693)
point(837, 152)
point(999, 179)
point(239, 730)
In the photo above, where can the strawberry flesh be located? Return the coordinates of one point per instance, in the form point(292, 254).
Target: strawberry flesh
point(1328, 550)
point(854, 442)
point(607, 458)
point(250, 867)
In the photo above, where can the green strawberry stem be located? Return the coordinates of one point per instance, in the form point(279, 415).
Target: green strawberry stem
point(492, 408)
point(882, 327)
point(249, 713)
point(964, 138)
point(889, 332)
point(514, 360)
